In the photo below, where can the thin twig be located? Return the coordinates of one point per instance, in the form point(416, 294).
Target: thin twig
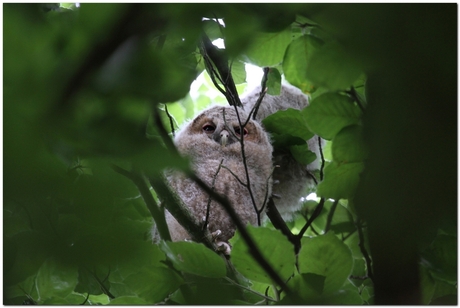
point(352, 92)
point(152, 205)
point(370, 273)
point(263, 91)
point(245, 165)
point(330, 215)
point(315, 214)
point(321, 174)
point(219, 58)
point(171, 121)
point(205, 225)
point(249, 290)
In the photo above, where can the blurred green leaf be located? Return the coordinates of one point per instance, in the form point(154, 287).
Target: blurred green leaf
point(327, 256)
point(296, 59)
point(348, 145)
point(153, 284)
point(274, 246)
point(302, 154)
point(442, 258)
point(267, 49)
point(290, 121)
point(194, 258)
point(56, 279)
point(273, 81)
point(340, 180)
point(128, 300)
point(331, 67)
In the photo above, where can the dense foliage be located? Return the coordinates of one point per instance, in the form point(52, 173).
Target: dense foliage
point(80, 85)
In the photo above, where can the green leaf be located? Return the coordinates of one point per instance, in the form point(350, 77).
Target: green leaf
point(153, 284)
point(290, 121)
point(238, 72)
point(329, 113)
point(274, 246)
point(302, 154)
point(194, 258)
point(128, 300)
point(267, 49)
point(307, 286)
point(327, 256)
point(273, 82)
point(348, 145)
point(56, 279)
point(332, 68)
point(296, 59)
point(441, 258)
point(340, 180)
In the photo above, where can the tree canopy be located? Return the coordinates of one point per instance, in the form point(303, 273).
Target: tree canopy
point(92, 95)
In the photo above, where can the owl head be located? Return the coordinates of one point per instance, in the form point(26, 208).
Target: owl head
point(218, 129)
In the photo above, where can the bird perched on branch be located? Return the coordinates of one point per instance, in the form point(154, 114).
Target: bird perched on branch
point(212, 141)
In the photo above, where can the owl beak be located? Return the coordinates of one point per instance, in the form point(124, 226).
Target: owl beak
point(224, 137)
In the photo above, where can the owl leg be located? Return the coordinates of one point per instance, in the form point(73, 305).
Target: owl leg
point(223, 247)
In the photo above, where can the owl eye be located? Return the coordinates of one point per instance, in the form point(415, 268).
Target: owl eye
point(208, 128)
point(238, 131)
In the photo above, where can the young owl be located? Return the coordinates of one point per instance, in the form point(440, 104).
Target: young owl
point(291, 178)
point(212, 142)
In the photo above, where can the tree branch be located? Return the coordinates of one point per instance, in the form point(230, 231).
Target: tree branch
point(220, 60)
point(157, 214)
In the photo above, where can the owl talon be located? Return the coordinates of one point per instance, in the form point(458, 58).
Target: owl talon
point(276, 196)
point(215, 234)
point(224, 247)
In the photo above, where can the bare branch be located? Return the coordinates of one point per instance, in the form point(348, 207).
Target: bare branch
point(219, 58)
point(263, 91)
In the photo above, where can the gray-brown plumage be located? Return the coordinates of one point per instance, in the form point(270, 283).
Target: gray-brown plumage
point(209, 141)
point(291, 179)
